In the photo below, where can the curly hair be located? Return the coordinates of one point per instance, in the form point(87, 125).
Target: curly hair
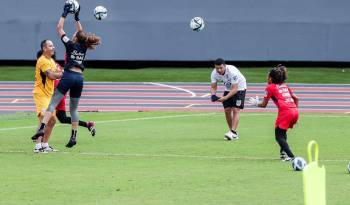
point(278, 74)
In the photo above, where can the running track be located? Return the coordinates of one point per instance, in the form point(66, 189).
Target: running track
point(108, 96)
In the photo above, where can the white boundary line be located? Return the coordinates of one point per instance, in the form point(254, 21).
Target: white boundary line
point(219, 114)
point(167, 156)
point(123, 120)
point(176, 88)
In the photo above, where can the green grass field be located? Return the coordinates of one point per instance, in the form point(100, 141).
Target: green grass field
point(153, 158)
point(253, 75)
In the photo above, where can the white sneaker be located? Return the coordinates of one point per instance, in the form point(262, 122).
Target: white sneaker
point(49, 149)
point(230, 136)
point(40, 150)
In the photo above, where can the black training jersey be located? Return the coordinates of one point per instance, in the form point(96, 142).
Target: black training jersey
point(75, 54)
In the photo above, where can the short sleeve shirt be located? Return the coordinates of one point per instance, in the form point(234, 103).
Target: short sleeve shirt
point(231, 76)
point(281, 95)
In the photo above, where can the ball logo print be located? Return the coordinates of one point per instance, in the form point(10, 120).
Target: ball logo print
point(100, 12)
point(74, 6)
point(197, 24)
point(298, 164)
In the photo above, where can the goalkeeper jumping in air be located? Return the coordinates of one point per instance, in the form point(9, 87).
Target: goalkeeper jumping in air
point(72, 78)
point(287, 104)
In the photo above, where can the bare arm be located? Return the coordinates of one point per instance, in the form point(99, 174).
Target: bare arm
point(263, 103)
point(78, 26)
point(213, 88)
point(53, 75)
point(233, 91)
point(60, 26)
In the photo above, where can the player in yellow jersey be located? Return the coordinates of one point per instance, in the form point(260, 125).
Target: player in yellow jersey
point(46, 72)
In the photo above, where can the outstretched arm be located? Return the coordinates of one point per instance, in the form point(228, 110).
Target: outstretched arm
point(60, 26)
point(78, 25)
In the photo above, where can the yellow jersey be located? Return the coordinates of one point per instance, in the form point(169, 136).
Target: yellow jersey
point(44, 85)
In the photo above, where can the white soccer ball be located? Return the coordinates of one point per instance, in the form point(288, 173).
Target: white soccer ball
point(74, 6)
point(349, 167)
point(100, 12)
point(298, 164)
point(197, 23)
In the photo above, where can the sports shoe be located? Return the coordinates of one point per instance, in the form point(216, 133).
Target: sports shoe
point(283, 155)
point(230, 136)
point(39, 133)
point(49, 149)
point(72, 142)
point(91, 128)
point(40, 150)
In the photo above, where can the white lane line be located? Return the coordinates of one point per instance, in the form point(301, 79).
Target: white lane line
point(176, 88)
point(15, 100)
point(190, 105)
point(215, 114)
point(123, 120)
point(205, 95)
point(103, 154)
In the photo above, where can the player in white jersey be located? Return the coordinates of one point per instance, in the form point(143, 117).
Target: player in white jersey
point(234, 95)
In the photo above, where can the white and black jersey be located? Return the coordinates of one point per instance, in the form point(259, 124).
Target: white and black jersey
point(232, 76)
point(75, 54)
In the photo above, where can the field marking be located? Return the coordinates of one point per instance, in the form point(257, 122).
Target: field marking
point(190, 105)
point(215, 114)
point(176, 88)
point(205, 95)
point(15, 100)
point(122, 120)
point(104, 154)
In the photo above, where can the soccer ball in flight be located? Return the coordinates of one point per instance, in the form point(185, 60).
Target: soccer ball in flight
point(100, 12)
point(197, 23)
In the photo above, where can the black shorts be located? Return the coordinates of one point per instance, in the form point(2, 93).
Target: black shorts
point(73, 82)
point(235, 101)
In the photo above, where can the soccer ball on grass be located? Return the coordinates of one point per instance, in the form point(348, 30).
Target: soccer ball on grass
point(298, 164)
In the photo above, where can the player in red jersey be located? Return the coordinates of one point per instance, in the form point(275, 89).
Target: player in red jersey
point(61, 113)
point(287, 104)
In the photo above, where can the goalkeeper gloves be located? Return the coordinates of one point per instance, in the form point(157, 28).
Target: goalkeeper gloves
point(254, 101)
point(76, 15)
point(214, 98)
point(66, 9)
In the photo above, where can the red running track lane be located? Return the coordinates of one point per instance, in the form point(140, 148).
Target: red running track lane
point(17, 96)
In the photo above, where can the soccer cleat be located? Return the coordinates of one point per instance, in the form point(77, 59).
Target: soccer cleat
point(283, 155)
point(49, 149)
point(72, 142)
point(230, 136)
point(288, 159)
point(40, 150)
point(91, 128)
point(39, 133)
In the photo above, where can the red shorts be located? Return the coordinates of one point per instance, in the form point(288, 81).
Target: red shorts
point(287, 119)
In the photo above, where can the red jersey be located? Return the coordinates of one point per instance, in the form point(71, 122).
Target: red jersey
point(281, 95)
